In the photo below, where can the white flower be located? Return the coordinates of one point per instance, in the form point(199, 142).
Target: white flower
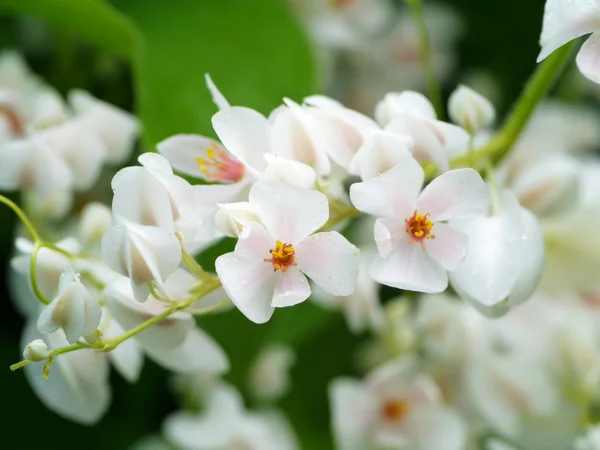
point(269, 375)
point(232, 217)
point(36, 350)
point(395, 407)
point(225, 424)
point(470, 110)
point(412, 115)
point(175, 343)
point(142, 253)
point(74, 310)
point(591, 439)
point(116, 128)
point(78, 388)
point(505, 260)
point(268, 266)
point(416, 248)
point(565, 20)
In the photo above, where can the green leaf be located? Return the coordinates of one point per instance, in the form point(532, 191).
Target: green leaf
point(253, 50)
point(93, 20)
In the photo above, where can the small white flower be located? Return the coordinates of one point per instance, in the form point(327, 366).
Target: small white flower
point(36, 350)
point(225, 424)
point(268, 266)
point(269, 377)
point(416, 248)
point(470, 110)
point(379, 153)
point(232, 217)
point(565, 20)
point(74, 310)
point(393, 407)
point(505, 260)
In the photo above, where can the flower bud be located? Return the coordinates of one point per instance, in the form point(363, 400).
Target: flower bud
point(36, 350)
point(470, 110)
point(395, 104)
point(96, 219)
point(74, 309)
point(232, 217)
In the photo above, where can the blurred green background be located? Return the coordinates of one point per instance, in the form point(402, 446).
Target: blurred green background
point(150, 56)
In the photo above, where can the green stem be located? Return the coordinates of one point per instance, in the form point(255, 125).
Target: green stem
point(33, 273)
point(433, 86)
point(22, 217)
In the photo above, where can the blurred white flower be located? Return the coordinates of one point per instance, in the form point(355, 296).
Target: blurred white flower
point(269, 375)
point(226, 424)
point(470, 110)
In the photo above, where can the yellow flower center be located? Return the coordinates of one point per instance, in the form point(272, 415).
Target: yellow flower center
point(282, 256)
point(395, 410)
point(218, 165)
point(419, 228)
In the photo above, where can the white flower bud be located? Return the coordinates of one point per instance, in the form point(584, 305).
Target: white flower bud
point(36, 350)
point(394, 104)
point(470, 110)
point(232, 217)
point(96, 219)
point(75, 310)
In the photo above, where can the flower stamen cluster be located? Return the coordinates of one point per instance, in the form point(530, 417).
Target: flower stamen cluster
point(282, 256)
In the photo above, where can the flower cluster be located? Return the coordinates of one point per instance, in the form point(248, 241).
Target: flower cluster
point(488, 241)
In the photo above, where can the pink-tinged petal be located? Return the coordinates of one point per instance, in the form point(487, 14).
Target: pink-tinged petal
point(449, 246)
point(330, 261)
point(409, 267)
point(454, 195)
point(436, 428)
point(129, 313)
point(182, 151)
point(255, 243)
point(588, 58)
point(77, 388)
point(292, 288)
point(565, 20)
point(245, 133)
point(388, 233)
point(127, 357)
point(379, 153)
point(289, 213)
point(218, 98)
point(493, 263)
point(198, 353)
point(249, 284)
point(353, 414)
point(392, 194)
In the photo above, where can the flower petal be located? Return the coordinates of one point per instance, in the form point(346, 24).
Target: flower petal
point(388, 233)
point(330, 260)
point(218, 98)
point(353, 414)
point(289, 213)
point(455, 194)
point(436, 428)
point(379, 153)
point(588, 58)
point(449, 246)
point(249, 284)
point(183, 150)
point(494, 262)
point(254, 243)
point(292, 288)
point(127, 357)
point(245, 134)
point(565, 20)
point(289, 172)
point(409, 267)
point(392, 194)
point(198, 353)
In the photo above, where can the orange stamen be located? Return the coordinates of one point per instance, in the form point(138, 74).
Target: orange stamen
point(282, 256)
point(419, 228)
